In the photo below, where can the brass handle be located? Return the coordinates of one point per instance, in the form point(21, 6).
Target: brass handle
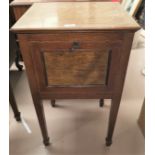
point(75, 45)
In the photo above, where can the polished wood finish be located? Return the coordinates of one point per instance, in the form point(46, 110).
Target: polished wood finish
point(30, 2)
point(12, 55)
point(114, 18)
point(21, 6)
point(99, 50)
point(74, 66)
point(20, 10)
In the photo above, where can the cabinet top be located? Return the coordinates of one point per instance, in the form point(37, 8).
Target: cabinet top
point(30, 2)
point(75, 16)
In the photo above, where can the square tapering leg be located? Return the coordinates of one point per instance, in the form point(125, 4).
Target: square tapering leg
point(53, 103)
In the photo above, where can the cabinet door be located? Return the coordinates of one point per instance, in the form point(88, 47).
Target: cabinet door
point(73, 64)
point(79, 67)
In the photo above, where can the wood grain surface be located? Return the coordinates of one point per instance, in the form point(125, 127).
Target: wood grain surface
point(79, 67)
point(76, 16)
point(47, 34)
point(30, 2)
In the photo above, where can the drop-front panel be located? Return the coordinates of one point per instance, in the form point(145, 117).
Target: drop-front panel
point(75, 68)
point(74, 51)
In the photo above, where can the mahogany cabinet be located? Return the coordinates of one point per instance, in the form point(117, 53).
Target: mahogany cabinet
point(76, 51)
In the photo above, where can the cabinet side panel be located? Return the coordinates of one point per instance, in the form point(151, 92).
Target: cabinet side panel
point(19, 11)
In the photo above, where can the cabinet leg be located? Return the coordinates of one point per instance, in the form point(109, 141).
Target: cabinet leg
point(42, 122)
point(18, 65)
point(32, 76)
point(53, 103)
point(112, 119)
point(101, 102)
point(13, 104)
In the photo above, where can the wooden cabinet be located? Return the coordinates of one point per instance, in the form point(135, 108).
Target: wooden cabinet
point(72, 54)
point(84, 62)
point(20, 10)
